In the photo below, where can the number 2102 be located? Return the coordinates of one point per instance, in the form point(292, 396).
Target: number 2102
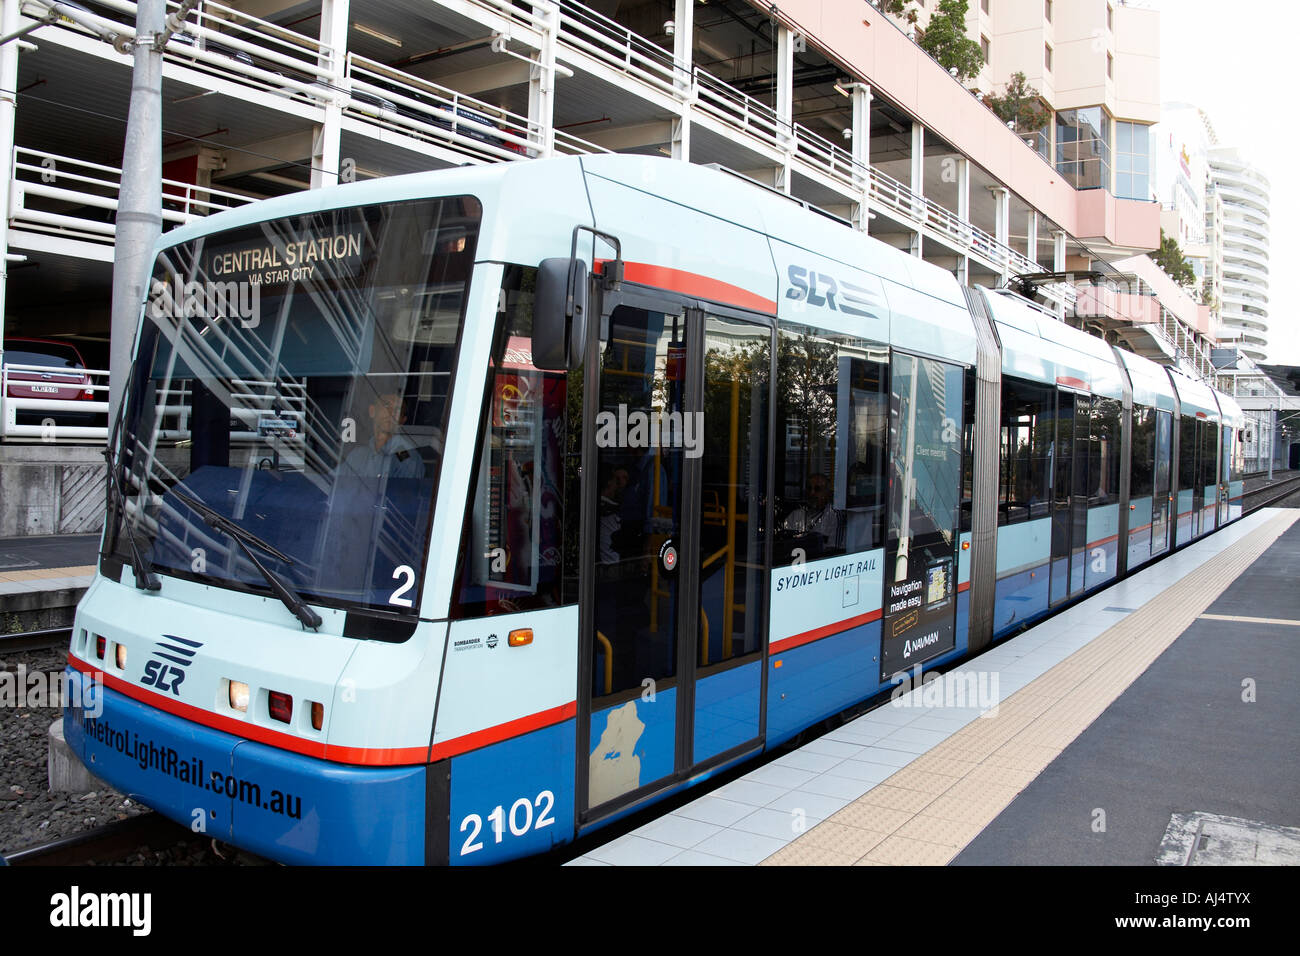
point(520, 819)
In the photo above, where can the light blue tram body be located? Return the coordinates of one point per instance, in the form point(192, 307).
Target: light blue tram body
point(452, 746)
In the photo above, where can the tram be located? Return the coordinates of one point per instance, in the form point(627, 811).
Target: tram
point(455, 515)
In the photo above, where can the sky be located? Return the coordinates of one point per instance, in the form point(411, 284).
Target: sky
point(1238, 62)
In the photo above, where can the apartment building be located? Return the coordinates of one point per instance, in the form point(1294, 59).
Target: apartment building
point(1243, 225)
point(830, 103)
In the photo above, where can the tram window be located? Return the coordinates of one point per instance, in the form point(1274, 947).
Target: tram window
point(1143, 454)
point(1025, 467)
point(832, 419)
point(1187, 453)
point(515, 553)
point(968, 451)
point(1104, 450)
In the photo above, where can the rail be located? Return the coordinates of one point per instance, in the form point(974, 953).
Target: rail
point(27, 416)
point(78, 199)
point(234, 45)
point(425, 110)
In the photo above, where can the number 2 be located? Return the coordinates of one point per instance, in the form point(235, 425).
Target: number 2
point(409, 572)
point(471, 842)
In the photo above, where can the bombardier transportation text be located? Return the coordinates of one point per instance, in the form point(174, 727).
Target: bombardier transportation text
point(167, 761)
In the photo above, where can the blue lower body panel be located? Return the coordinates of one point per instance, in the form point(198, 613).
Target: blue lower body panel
point(281, 805)
point(1019, 598)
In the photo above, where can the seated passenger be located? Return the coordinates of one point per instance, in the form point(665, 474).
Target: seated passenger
point(818, 518)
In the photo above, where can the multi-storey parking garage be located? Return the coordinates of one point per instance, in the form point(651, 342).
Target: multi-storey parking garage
point(261, 97)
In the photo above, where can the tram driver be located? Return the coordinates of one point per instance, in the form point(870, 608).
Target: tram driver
point(388, 454)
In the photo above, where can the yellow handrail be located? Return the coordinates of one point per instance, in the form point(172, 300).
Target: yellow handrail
point(609, 662)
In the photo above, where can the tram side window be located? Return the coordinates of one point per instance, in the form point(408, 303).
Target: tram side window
point(832, 420)
point(518, 552)
point(1187, 437)
point(1143, 453)
point(968, 451)
point(1024, 490)
point(1104, 450)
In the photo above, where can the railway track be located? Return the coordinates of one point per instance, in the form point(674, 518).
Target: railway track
point(35, 640)
point(1272, 494)
point(107, 844)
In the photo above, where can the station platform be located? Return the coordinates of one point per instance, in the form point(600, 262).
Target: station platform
point(42, 577)
point(1154, 722)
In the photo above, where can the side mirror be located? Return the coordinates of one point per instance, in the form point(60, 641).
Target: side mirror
point(560, 314)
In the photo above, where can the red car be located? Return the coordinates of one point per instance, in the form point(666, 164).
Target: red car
point(62, 376)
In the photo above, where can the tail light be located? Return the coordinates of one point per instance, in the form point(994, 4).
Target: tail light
point(281, 706)
point(87, 395)
point(101, 646)
point(317, 715)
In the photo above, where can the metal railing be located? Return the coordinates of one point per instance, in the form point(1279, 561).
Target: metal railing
point(78, 199)
point(427, 111)
point(614, 45)
point(53, 419)
point(233, 45)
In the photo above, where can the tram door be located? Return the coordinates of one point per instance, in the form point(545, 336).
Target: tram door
point(925, 426)
point(1070, 486)
point(673, 616)
point(1161, 498)
point(1198, 479)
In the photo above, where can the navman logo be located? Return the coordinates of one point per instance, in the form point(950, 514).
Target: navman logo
point(166, 669)
point(822, 290)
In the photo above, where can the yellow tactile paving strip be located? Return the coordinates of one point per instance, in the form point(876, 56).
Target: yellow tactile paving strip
point(930, 810)
point(37, 574)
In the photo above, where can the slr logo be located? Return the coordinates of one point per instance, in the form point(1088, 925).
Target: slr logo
point(823, 291)
point(166, 669)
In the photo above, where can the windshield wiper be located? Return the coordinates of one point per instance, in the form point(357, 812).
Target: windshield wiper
point(215, 519)
point(145, 579)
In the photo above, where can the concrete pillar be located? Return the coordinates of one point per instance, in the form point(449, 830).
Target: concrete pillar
point(328, 137)
point(684, 43)
point(1031, 242)
point(963, 189)
point(1058, 251)
point(785, 100)
point(541, 82)
point(917, 183)
point(681, 145)
point(8, 107)
point(860, 148)
point(1002, 222)
point(683, 75)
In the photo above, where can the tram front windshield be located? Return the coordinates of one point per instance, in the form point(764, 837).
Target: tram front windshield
point(293, 377)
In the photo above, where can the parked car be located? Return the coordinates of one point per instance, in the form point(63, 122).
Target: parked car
point(62, 376)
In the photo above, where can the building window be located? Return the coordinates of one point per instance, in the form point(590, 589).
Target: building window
point(984, 5)
point(1110, 67)
point(1083, 147)
point(1132, 161)
point(1047, 57)
point(1047, 10)
point(984, 47)
point(1110, 17)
